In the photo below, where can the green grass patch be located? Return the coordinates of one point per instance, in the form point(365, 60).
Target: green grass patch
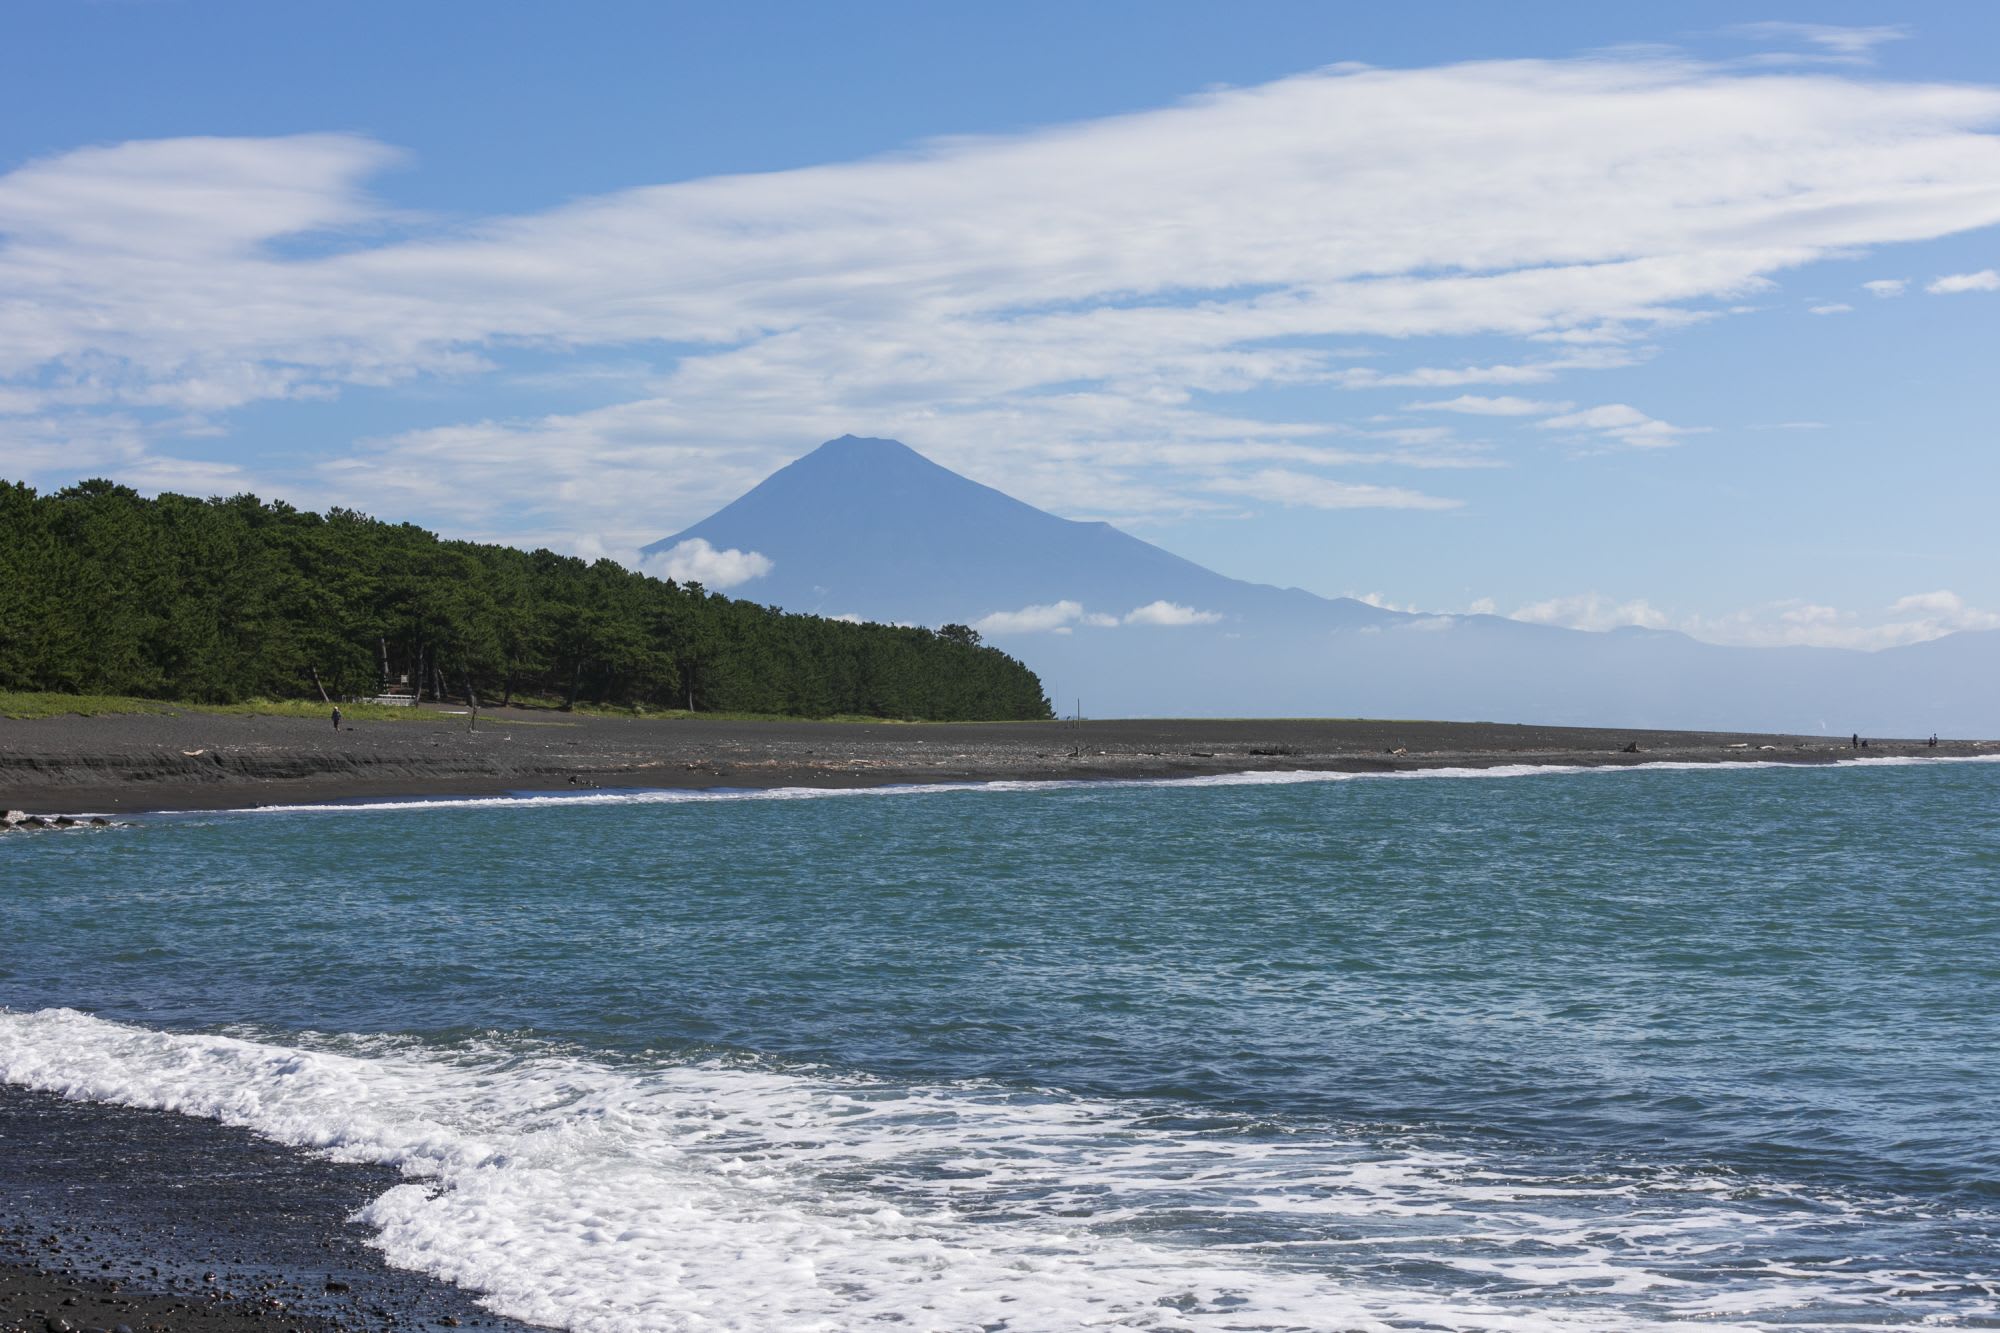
point(647, 713)
point(313, 708)
point(27, 705)
point(16, 704)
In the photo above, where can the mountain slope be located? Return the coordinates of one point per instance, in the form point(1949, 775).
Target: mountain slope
point(872, 528)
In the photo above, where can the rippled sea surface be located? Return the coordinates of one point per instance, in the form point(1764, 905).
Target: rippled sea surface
point(1597, 1050)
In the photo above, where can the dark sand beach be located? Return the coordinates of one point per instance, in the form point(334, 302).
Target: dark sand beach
point(194, 760)
point(111, 1216)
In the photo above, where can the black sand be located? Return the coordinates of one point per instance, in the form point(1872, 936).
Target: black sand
point(195, 760)
point(110, 1215)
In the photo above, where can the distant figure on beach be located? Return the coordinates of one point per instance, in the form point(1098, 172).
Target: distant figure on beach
point(1856, 742)
point(336, 717)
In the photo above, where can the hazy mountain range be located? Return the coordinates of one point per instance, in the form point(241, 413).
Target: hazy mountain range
point(871, 529)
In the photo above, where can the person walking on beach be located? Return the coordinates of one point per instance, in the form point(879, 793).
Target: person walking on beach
point(1856, 742)
point(336, 717)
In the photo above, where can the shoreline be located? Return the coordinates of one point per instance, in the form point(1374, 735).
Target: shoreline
point(112, 1215)
point(157, 1220)
point(185, 761)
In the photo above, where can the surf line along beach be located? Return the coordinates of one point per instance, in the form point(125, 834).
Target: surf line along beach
point(257, 1236)
point(189, 760)
point(631, 1059)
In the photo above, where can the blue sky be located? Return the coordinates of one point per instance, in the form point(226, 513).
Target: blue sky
point(1559, 311)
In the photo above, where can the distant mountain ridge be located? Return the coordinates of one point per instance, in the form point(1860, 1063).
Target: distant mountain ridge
point(871, 528)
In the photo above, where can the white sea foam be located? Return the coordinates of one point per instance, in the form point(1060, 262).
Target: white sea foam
point(600, 1194)
point(1259, 778)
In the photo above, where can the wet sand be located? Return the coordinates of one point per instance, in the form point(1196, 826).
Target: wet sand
point(156, 1221)
point(193, 760)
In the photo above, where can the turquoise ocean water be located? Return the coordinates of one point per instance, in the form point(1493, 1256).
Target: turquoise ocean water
point(1596, 1050)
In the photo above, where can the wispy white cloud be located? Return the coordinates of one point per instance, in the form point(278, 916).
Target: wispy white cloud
point(1171, 614)
point(1024, 307)
point(1041, 619)
point(1305, 490)
point(1855, 43)
point(1944, 606)
point(1886, 288)
point(1830, 308)
point(1912, 619)
point(1621, 422)
point(1378, 600)
point(1795, 622)
point(1502, 406)
point(697, 561)
point(1453, 377)
point(1986, 280)
point(1065, 616)
point(1786, 623)
point(73, 446)
point(1592, 611)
